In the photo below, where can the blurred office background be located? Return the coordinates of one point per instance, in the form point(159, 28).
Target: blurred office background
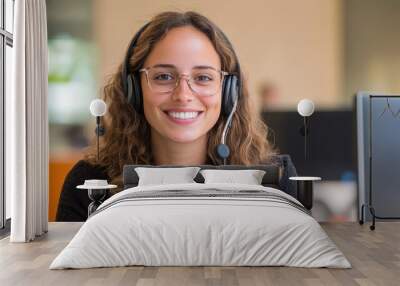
point(289, 50)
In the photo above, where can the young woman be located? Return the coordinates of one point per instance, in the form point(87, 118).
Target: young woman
point(178, 63)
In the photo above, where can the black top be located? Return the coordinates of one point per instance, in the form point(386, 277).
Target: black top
point(73, 203)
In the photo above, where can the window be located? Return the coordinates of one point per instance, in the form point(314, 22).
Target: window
point(6, 44)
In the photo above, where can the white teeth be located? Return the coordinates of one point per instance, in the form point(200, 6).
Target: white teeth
point(183, 115)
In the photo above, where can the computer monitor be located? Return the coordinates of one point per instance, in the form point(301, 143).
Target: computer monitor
point(332, 149)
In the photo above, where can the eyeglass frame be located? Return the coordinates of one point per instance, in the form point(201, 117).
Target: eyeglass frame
point(180, 76)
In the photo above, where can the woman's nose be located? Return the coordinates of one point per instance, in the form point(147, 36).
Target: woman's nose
point(183, 92)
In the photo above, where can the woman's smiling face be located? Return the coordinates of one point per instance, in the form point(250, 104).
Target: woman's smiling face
point(182, 115)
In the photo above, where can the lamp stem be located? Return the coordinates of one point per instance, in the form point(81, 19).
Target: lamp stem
point(305, 137)
point(98, 136)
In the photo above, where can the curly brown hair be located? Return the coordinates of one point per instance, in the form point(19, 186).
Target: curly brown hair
point(127, 140)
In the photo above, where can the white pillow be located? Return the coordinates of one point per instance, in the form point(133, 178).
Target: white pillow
point(162, 176)
point(248, 177)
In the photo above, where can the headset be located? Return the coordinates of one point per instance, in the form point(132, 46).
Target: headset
point(231, 90)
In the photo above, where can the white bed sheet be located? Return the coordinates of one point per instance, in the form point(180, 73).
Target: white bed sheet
point(183, 231)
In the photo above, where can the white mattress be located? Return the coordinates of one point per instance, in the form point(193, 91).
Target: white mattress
point(189, 230)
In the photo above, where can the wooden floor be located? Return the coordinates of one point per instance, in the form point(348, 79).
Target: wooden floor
point(374, 255)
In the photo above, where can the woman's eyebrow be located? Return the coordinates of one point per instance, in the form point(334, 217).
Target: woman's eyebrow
point(204, 67)
point(173, 66)
point(164, 66)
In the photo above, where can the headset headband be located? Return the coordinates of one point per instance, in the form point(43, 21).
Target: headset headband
point(126, 67)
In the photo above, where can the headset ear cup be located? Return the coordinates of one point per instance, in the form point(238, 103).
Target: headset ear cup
point(226, 92)
point(137, 100)
point(234, 90)
point(230, 94)
point(129, 88)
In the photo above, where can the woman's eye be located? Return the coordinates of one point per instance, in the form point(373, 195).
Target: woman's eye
point(203, 78)
point(163, 77)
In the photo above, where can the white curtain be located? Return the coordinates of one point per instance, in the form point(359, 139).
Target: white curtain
point(27, 124)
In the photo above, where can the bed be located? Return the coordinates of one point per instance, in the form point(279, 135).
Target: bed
point(201, 223)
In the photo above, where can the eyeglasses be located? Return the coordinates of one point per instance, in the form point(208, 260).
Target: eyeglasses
point(202, 81)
